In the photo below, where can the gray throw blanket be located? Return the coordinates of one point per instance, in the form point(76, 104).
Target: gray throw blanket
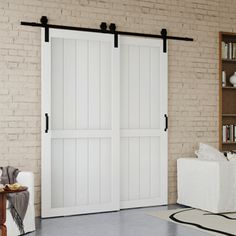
point(18, 202)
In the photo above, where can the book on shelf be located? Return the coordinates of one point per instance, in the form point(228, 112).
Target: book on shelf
point(224, 52)
point(228, 50)
point(224, 132)
point(234, 51)
point(229, 133)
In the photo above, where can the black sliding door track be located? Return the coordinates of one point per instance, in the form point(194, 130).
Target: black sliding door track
point(103, 29)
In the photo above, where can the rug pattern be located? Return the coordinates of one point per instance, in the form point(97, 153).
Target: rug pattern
point(216, 224)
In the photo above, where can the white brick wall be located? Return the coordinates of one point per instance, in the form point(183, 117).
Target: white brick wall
point(193, 68)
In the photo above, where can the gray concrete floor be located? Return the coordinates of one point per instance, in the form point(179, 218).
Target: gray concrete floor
point(133, 222)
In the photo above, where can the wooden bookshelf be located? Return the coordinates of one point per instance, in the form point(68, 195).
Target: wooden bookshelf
point(227, 94)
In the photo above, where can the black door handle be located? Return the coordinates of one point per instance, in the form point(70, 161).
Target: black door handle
point(166, 125)
point(47, 123)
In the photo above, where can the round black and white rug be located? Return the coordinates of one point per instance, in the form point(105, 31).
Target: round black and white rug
point(216, 224)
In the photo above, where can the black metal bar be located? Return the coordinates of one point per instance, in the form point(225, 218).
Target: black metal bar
point(179, 38)
point(44, 21)
point(47, 123)
point(166, 124)
point(112, 28)
point(46, 34)
point(164, 36)
point(66, 27)
point(153, 36)
point(116, 40)
point(104, 31)
point(34, 24)
point(138, 34)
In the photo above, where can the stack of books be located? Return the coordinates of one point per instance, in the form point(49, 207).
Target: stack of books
point(229, 133)
point(228, 50)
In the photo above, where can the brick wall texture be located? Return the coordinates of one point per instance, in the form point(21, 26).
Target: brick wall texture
point(193, 69)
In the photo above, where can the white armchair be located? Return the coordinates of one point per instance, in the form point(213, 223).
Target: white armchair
point(207, 185)
point(26, 179)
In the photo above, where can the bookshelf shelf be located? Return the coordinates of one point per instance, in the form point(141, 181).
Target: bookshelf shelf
point(229, 60)
point(229, 115)
point(229, 87)
point(228, 143)
point(227, 94)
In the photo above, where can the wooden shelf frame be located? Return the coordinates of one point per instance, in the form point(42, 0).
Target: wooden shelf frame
point(227, 114)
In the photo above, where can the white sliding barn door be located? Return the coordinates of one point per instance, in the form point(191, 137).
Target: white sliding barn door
point(105, 147)
point(80, 151)
point(143, 94)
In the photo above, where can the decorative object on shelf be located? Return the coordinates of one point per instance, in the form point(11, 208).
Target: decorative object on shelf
point(233, 79)
point(223, 78)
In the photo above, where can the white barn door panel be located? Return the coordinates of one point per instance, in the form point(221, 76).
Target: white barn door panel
point(105, 147)
point(80, 152)
point(143, 106)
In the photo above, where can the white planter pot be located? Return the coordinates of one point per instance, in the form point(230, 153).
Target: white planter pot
point(233, 79)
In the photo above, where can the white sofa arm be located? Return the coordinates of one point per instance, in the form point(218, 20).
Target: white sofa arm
point(207, 185)
point(198, 183)
point(27, 179)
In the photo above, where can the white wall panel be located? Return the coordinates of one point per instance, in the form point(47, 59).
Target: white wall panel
point(134, 87)
point(69, 84)
point(105, 172)
point(70, 183)
point(82, 171)
point(94, 171)
point(124, 87)
point(82, 85)
point(94, 84)
point(145, 166)
point(140, 87)
point(124, 169)
point(155, 167)
point(57, 86)
point(134, 169)
point(105, 86)
point(57, 170)
point(145, 88)
point(155, 88)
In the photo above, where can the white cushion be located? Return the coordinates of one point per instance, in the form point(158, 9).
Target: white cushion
point(207, 152)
